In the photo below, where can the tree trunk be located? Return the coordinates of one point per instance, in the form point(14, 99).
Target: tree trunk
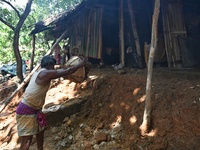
point(16, 39)
point(29, 76)
point(145, 127)
point(17, 55)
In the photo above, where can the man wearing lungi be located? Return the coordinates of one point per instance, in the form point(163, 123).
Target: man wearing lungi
point(30, 120)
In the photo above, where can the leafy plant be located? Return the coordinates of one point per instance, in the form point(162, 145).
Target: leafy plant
point(9, 18)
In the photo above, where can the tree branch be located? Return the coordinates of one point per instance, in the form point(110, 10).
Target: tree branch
point(18, 14)
point(26, 12)
point(6, 23)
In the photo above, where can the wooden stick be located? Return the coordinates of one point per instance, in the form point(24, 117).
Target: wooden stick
point(145, 127)
point(26, 80)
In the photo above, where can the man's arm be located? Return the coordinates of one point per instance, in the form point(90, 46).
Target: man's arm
point(47, 75)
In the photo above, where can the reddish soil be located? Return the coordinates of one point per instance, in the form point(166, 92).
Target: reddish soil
point(113, 111)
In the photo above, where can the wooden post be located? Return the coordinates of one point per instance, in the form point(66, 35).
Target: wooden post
point(145, 127)
point(88, 34)
point(26, 80)
point(100, 32)
point(165, 31)
point(33, 53)
point(135, 34)
point(121, 32)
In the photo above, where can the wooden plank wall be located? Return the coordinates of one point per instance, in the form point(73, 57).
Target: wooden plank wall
point(174, 27)
point(86, 34)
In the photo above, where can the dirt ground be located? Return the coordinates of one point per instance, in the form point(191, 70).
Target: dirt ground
point(112, 112)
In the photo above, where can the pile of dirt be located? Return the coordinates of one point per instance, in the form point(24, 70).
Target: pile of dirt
point(111, 112)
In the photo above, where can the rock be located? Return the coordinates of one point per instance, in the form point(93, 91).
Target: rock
point(100, 137)
point(96, 146)
point(87, 131)
point(70, 137)
point(100, 126)
point(54, 129)
point(78, 135)
point(62, 143)
point(121, 71)
point(56, 138)
point(87, 144)
point(66, 119)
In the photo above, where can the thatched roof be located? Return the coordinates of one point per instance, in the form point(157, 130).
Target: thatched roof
point(54, 22)
point(184, 24)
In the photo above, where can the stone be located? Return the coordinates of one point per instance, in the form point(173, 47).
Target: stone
point(100, 137)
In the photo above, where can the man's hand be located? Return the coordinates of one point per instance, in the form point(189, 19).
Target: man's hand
point(83, 63)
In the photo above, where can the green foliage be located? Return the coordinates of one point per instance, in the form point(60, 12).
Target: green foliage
point(40, 10)
point(56, 6)
point(6, 52)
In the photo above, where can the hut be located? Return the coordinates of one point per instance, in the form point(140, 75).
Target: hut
point(119, 31)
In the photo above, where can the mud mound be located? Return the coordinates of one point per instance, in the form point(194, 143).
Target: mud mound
point(113, 107)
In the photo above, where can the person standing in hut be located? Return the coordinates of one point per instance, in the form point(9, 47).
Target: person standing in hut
point(30, 120)
point(66, 55)
point(57, 55)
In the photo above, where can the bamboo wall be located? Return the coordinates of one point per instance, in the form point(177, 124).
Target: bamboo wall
point(174, 27)
point(86, 34)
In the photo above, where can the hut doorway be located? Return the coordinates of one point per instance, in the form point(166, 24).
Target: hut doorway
point(110, 35)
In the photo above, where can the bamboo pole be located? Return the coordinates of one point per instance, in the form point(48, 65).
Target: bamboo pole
point(26, 80)
point(145, 127)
